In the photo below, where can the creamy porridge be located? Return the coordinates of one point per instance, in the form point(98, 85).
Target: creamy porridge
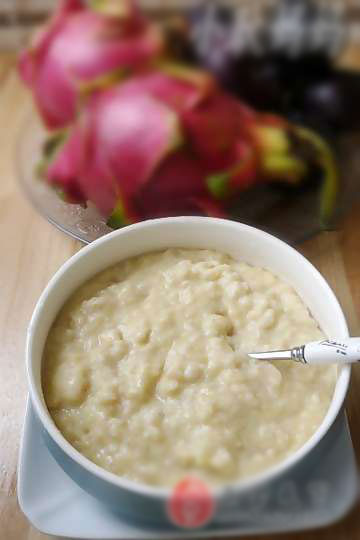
point(145, 370)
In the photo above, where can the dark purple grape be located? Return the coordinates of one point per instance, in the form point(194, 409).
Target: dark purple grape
point(273, 82)
point(270, 81)
point(335, 101)
point(301, 118)
point(257, 80)
point(305, 88)
point(306, 68)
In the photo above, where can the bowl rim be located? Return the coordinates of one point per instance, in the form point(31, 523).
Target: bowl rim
point(237, 487)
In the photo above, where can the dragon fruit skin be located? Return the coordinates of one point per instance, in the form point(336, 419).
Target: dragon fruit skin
point(127, 138)
point(161, 144)
point(219, 131)
point(62, 172)
point(114, 148)
point(177, 188)
point(122, 135)
point(181, 89)
point(79, 46)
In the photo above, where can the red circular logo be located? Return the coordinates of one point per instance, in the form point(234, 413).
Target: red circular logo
point(191, 504)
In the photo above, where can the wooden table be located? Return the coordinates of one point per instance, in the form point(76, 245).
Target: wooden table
point(32, 250)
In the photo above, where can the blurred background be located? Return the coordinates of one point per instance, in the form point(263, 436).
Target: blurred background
point(299, 59)
point(19, 17)
point(296, 58)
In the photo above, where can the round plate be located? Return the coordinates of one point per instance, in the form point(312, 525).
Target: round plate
point(84, 224)
point(289, 213)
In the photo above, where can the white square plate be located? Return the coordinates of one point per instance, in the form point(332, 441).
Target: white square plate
point(318, 492)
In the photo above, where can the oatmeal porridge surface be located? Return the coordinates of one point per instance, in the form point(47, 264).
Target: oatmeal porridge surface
point(146, 373)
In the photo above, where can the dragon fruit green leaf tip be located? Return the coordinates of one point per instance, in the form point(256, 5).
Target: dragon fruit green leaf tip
point(143, 137)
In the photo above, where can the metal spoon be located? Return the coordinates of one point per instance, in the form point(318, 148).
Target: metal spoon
point(345, 351)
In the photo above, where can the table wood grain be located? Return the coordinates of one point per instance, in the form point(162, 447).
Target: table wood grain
point(32, 250)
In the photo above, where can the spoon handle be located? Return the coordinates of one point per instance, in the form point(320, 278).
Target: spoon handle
point(344, 351)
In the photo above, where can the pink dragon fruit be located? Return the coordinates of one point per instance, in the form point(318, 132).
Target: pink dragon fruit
point(81, 48)
point(123, 136)
point(169, 142)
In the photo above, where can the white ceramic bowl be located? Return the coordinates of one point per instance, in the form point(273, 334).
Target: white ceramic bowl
point(245, 243)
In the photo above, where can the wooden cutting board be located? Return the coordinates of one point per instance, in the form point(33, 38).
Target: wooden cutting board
point(32, 250)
